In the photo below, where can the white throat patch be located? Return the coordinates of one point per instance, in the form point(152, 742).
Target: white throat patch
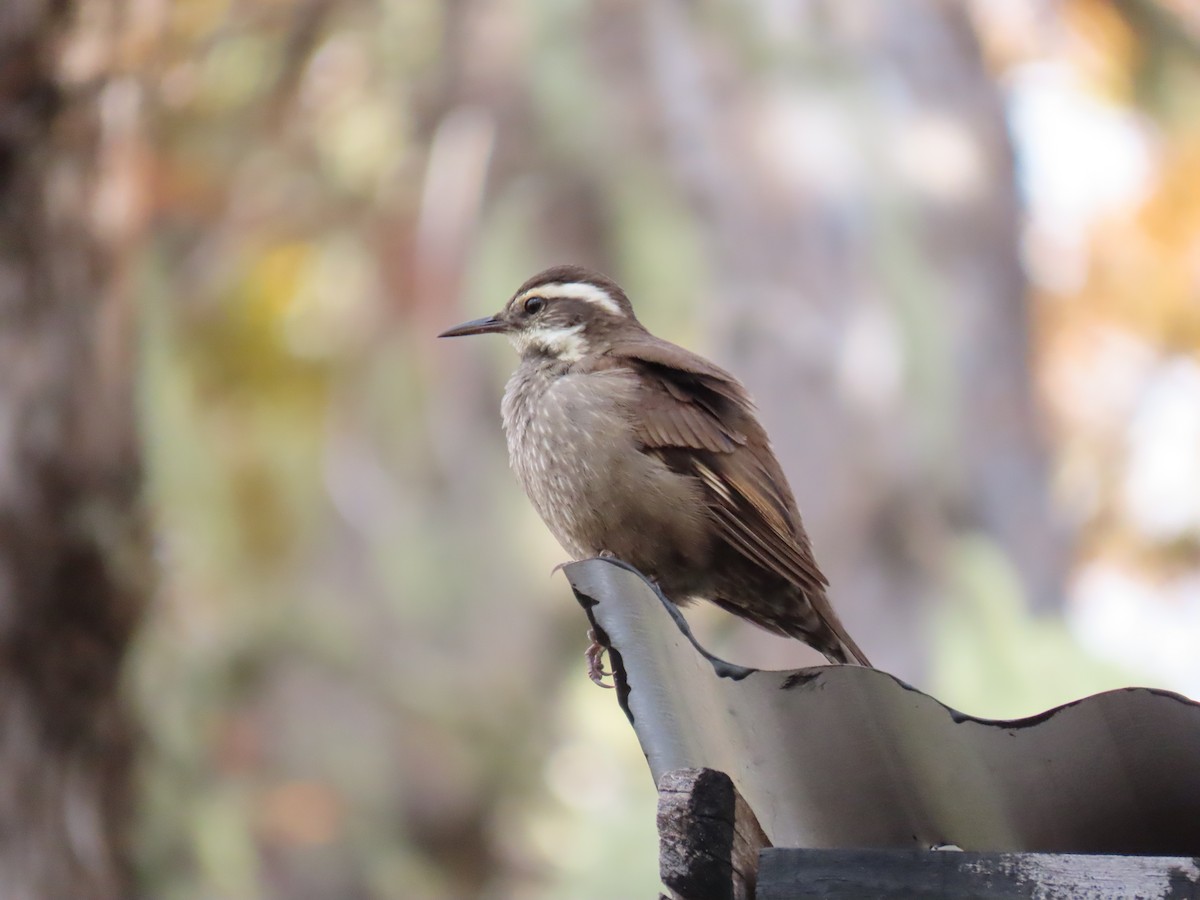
point(577, 290)
point(562, 342)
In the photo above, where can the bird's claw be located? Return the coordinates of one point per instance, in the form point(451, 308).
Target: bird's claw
point(595, 661)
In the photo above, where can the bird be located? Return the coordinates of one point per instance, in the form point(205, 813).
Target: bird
point(633, 447)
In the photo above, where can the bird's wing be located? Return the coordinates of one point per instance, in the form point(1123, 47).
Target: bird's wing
point(700, 420)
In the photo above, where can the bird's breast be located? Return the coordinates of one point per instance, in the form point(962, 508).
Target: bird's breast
point(572, 444)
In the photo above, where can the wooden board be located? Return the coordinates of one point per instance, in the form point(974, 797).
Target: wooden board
point(787, 874)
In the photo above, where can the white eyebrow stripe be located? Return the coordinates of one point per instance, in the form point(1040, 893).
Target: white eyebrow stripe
point(577, 290)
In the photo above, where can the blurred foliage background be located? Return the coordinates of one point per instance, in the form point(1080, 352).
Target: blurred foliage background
point(954, 250)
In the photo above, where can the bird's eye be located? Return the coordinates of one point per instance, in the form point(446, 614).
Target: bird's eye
point(534, 305)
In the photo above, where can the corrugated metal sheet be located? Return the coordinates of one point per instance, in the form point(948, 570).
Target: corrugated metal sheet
point(840, 756)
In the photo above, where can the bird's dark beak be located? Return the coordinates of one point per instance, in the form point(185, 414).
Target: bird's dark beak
point(486, 325)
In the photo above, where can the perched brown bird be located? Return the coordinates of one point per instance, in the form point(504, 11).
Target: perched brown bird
point(632, 446)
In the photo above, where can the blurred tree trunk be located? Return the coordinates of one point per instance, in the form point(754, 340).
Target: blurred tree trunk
point(71, 542)
point(869, 289)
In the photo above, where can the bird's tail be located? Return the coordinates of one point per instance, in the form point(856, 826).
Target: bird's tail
point(829, 636)
point(842, 649)
point(808, 617)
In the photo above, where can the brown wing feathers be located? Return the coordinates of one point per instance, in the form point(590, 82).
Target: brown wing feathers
point(668, 422)
point(700, 420)
point(748, 500)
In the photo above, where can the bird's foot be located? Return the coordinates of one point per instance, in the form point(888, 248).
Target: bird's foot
point(595, 661)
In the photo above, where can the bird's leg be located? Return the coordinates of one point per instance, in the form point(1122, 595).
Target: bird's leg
point(594, 655)
point(595, 651)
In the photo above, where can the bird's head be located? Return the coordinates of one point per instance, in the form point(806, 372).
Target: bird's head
point(564, 313)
